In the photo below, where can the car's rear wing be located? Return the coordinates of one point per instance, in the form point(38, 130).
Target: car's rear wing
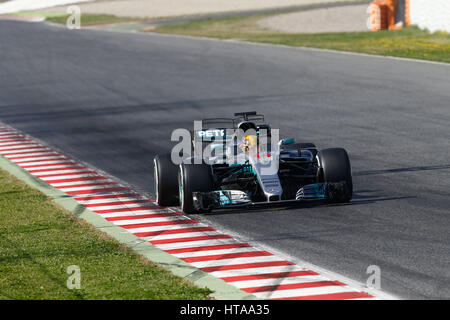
point(249, 116)
point(216, 128)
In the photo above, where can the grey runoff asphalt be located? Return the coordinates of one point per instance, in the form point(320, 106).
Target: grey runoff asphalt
point(113, 99)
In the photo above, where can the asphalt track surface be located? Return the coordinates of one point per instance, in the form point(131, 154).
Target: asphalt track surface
point(113, 99)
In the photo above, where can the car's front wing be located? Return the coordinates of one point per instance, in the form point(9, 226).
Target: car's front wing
point(237, 198)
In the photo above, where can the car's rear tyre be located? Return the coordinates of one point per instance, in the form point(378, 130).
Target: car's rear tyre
point(193, 178)
point(166, 180)
point(335, 169)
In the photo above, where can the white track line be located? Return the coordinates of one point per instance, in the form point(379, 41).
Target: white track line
point(54, 169)
point(277, 281)
point(70, 176)
point(166, 228)
point(143, 205)
point(147, 220)
point(28, 145)
point(41, 161)
point(95, 186)
point(74, 183)
point(32, 155)
point(214, 252)
point(302, 292)
point(196, 244)
point(181, 235)
point(241, 260)
point(255, 271)
point(136, 213)
point(21, 151)
point(106, 201)
point(12, 143)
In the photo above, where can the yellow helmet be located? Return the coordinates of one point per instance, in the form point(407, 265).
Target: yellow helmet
point(251, 140)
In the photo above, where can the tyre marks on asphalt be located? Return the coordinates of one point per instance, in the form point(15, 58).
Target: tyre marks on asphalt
point(255, 271)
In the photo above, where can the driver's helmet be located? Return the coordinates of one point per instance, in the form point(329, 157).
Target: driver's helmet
point(252, 138)
point(250, 141)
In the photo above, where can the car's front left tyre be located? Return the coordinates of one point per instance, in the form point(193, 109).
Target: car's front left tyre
point(165, 180)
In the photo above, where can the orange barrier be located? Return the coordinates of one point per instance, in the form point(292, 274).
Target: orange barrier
point(407, 12)
point(382, 15)
point(391, 8)
point(378, 15)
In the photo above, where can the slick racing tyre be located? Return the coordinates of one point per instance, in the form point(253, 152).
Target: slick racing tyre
point(193, 178)
point(166, 180)
point(336, 171)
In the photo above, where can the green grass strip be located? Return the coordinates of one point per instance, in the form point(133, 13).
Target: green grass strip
point(409, 42)
point(92, 19)
point(39, 240)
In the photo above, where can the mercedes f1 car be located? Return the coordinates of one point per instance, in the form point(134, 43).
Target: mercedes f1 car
point(250, 169)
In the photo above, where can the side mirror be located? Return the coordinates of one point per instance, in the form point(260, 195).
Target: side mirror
point(286, 141)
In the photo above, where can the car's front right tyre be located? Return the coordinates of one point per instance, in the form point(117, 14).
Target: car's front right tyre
point(165, 180)
point(336, 170)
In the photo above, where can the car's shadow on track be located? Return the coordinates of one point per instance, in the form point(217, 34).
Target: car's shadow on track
point(399, 170)
point(360, 197)
point(368, 196)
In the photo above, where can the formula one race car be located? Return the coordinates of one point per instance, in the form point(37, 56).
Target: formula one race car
point(244, 166)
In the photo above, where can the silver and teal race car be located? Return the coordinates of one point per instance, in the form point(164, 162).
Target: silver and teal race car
point(243, 163)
